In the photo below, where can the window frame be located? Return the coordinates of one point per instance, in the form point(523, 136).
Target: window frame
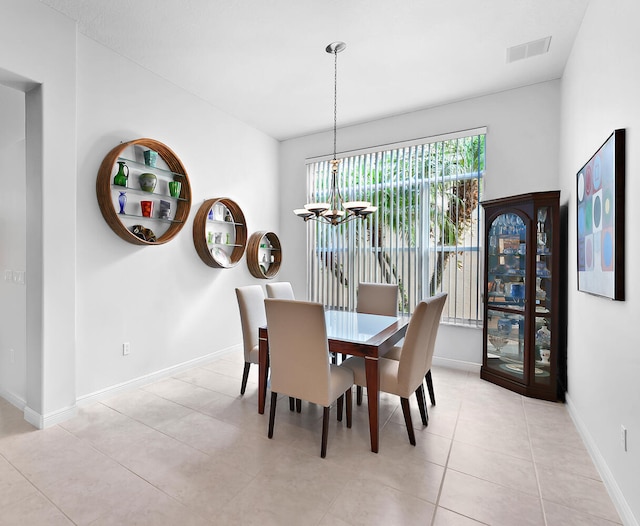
point(344, 246)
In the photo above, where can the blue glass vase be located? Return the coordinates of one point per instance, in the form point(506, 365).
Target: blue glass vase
point(122, 200)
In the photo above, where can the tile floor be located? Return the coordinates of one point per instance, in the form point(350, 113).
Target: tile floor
point(188, 450)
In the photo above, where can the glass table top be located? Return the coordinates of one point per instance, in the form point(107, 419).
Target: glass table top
point(354, 326)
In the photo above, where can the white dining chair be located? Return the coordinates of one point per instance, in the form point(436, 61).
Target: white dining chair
point(376, 298)
point(299, 356)
point(403, 377)
point(280, 290)
point(394, 354)
point(252, 316)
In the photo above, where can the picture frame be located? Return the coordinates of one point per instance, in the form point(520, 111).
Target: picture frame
point(600, 197)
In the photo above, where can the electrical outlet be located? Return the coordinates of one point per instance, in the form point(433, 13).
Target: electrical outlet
point(126, 348)
point(623, 438)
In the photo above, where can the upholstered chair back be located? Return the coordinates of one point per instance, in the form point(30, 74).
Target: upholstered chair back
point(252, 316)
point(415, 348)
point(438, 302)
point(378, 298)
point(281, 290)
point(299, 350)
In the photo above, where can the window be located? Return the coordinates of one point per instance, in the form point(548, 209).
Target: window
point(425, 235)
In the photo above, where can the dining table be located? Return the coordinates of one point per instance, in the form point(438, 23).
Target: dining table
point(370, 336)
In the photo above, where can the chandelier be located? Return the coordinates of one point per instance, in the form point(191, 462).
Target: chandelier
point(336, 210)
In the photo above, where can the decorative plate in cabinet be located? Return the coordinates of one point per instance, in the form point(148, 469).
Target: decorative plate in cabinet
point(144, 201)
point(220, 232)
point(264, 255)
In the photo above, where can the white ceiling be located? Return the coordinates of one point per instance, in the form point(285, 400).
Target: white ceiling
point(264, 61)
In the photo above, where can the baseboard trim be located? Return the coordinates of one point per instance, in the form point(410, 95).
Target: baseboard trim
point(50, 419)
point(36, 419)
point(603, 469)
point(135, 383)
point(456, 364)
point(13, 399)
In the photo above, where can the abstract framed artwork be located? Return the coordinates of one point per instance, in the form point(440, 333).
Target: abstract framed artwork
point(600, 220)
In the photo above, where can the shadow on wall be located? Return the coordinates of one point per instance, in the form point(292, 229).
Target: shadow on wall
point(13, 247)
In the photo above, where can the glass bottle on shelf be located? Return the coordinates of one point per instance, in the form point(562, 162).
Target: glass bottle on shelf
point(121, 177)
point(540, 293)
point(122, 201)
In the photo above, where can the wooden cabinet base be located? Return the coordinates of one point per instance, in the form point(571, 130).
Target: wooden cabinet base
point(552, 395)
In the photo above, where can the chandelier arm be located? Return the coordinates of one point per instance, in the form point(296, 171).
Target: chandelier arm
point(333, 221)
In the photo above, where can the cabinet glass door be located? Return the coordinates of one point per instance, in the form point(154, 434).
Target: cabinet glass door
point(543, 292)
point(505, 343)
point(506, 274)
point(507, 262)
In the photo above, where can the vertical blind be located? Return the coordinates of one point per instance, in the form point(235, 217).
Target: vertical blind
point(425, 235)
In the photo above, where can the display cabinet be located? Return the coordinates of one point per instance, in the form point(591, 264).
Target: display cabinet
point(523, 322)
point(220, 232)
point(264, 255)
point(144, 201)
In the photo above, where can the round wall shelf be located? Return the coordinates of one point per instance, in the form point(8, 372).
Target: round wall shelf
point(264, 255)
point(220, 233)
point(122, 205)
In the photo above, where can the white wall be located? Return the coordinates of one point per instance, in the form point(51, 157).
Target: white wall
point(13, 297)
point(37, 56)
point(522, 156)
point(600, 91)
point(164, 300)
point(87, 290)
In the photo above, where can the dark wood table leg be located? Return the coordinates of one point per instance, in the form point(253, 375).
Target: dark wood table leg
point(263, 370)
point(373, 395)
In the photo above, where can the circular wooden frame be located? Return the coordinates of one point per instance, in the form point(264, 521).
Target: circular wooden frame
point(253, 249)
point(200, 233)
point(103, 192)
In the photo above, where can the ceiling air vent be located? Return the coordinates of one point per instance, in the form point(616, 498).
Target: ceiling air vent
point(530, 49)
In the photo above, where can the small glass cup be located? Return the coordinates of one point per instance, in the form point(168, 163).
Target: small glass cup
point(174, 188)
point(150, 158)
point(147, 208)
point(493, 243)
point(542, 242)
